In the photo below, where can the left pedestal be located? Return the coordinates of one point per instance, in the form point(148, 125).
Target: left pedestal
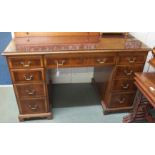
point(30, 87)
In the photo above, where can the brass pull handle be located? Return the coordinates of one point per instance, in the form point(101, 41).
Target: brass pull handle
point(131, 60)
point(60, 63)
point(34, 107)
point(25, 65)
point(125, 86)
point(128, 73)
point(30, 92)
point(152, 89)
point(28, 78)
point(101, 61)
point(122, 100)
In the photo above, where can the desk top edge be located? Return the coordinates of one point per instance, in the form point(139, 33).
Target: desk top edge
point(118, 45)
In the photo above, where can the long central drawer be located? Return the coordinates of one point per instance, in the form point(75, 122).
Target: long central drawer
point(79, 60)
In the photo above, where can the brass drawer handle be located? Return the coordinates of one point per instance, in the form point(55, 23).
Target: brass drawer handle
point(126, 86)
point(152, 89)
point(101, 61)
point(60, 63)
point(30, 92)
point(34, 107)
point(122, 100)
point(28, 78)
point(128, 73)
point(131, 60)
point(26, 65)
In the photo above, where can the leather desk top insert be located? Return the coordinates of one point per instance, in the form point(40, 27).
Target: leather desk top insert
point(117, 57)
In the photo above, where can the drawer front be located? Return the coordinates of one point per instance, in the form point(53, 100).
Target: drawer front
point(20, 76)
point(25, 62)
point(57, 62)
point(123, 85)
point(30, 90)
point(121, 100)
point(33, 106)
point(127, 71)
point(132, 59)
point(101, 60)
point(60, 62)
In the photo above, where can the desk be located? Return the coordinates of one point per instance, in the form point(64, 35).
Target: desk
point(28, 59)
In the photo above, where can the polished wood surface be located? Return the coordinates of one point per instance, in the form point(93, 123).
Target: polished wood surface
point(131, 58)
point(119, 56)
point(34, 38)
point(108, 43)
point(145, 99)
point(30, 90)
point(25, 62)
point(121, 100)
point(33, 106)
point(77, 60)
point(146, 83)
point(123, 85)
point(53, 34)
point(27, 76)
point(123, 72)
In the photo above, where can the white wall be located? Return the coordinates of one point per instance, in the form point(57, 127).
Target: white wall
point(147, 38)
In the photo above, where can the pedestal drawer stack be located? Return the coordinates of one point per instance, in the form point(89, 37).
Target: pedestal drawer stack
point(28, 77)
point(121, 91)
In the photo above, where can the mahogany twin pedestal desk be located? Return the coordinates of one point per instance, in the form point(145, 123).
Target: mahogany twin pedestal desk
point(115, 59)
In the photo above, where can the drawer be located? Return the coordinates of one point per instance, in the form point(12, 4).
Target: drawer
point(101, 60)
point(33, 106)
point(31, 75)
point(123, 85)
point(121, 100)
point(127, 71)
point(132, 59)
point(25, 62)
point(54, 62)
point(30, 90)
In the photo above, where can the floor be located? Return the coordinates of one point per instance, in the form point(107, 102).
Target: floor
point(72, 103)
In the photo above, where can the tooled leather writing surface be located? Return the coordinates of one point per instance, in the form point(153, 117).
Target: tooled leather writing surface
point(107, 42)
